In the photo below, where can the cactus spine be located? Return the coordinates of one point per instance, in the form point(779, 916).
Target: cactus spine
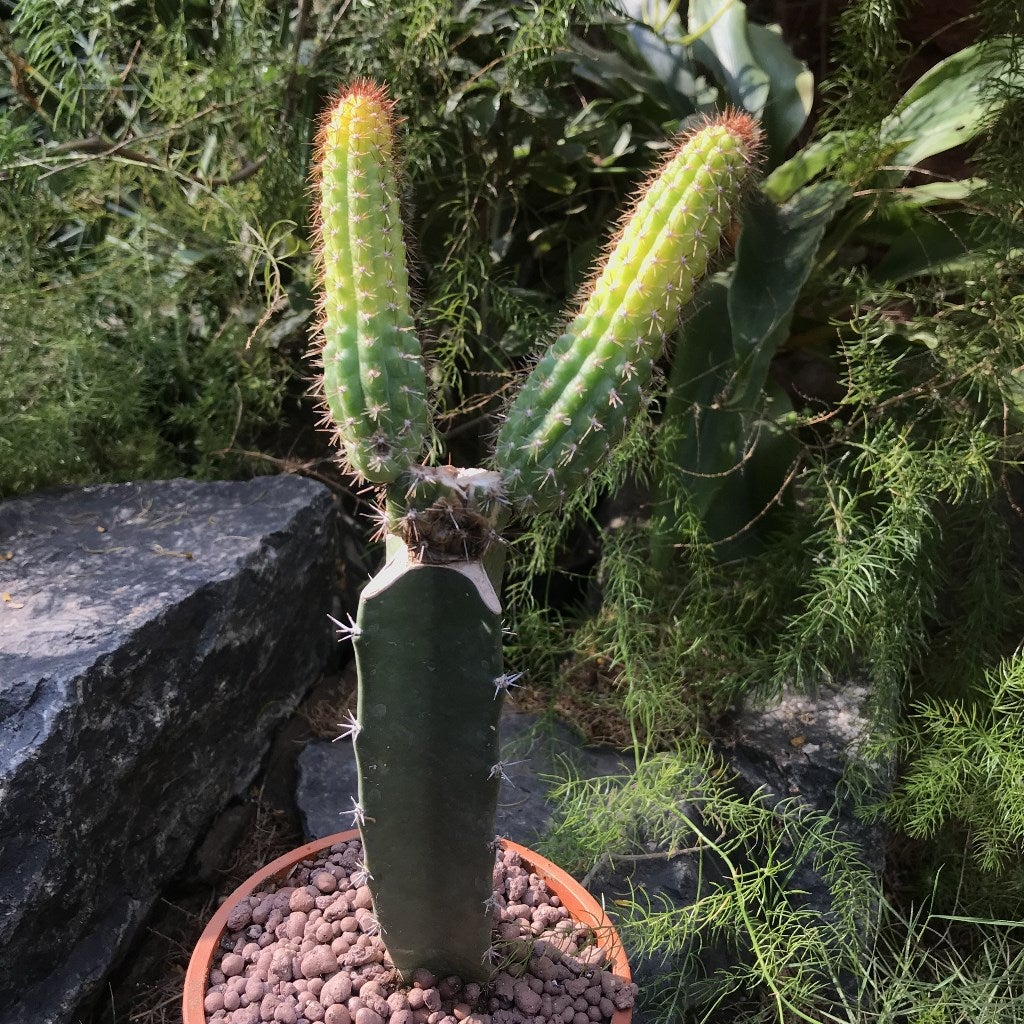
point(374, 384)
point(428, 631)
point(586, 389)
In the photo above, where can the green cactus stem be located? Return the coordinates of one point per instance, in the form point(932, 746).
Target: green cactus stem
point(374, 384)
point(587, 388)
point(428, 653)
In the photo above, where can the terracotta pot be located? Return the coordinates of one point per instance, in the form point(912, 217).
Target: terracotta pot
point(580, 904)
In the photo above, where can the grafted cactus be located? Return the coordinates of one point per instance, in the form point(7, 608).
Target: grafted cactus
point(427, 635)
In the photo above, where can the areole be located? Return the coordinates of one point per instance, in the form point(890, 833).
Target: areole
point(580, 904)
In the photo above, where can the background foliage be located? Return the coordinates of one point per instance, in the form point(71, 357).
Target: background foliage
point(827, 482)
point(148, 163)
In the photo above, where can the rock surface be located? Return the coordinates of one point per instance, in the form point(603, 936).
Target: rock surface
point(151, 637)
point(807, 747)
point(530, 747)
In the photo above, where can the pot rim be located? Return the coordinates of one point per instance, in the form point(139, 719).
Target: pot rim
point(580, 904)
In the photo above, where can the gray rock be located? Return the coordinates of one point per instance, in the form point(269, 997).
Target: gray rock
point(151, 637)
point(326, 788)
point(536, 750)
point(808, 747)
point(531, 748)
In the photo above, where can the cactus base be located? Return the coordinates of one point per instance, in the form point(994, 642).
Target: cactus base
point(580, 904)
point(427, 750)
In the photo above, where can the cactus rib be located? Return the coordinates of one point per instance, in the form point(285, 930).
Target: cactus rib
point(590, 384)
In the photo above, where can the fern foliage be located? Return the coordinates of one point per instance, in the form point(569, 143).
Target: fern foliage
point(149, 161)
point(751, 857)
point(966, 762)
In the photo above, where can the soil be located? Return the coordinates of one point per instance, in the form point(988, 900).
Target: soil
point(308, 951)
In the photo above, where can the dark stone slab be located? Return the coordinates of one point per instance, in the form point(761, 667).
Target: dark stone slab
point(151, 637)
point(537, 750)
point(326, 788)
point(809, 747)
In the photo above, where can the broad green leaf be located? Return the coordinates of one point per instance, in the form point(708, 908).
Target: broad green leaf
point(533, 101)
point(619, 77)
point(729, 464)
point(948, 106)
point(715, 411)
point(702, 444)
point(904, 207)
point(776, 252)
point(957, 68)
point(1015, 395)
point(723, 47)
point(480, 112)
point(801, 168)
point(941, 192)
point(790, 93)
point(552, 180)
point(945, 108)
point(764, 454)
point(657, 33)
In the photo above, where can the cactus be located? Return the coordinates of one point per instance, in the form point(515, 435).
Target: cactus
point(589, 385)
point(426, 748)
point(373, 380)
point(427, 635)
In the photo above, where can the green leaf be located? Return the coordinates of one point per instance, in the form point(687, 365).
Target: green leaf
point(798, 170)
point(791, 90)
point(948, 105)
point(942, 192)
point(479, 113)
point(1014, 392)
point(533, 101)
point(702, 443)
point(776, 252)
point(729, 463)
point(943, 243)
point(910, 207)
point(624, 79)
point(724, 47)
point(552, 180)
point(657, 34)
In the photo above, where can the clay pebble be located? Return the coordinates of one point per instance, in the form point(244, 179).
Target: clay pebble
point(308, 952)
